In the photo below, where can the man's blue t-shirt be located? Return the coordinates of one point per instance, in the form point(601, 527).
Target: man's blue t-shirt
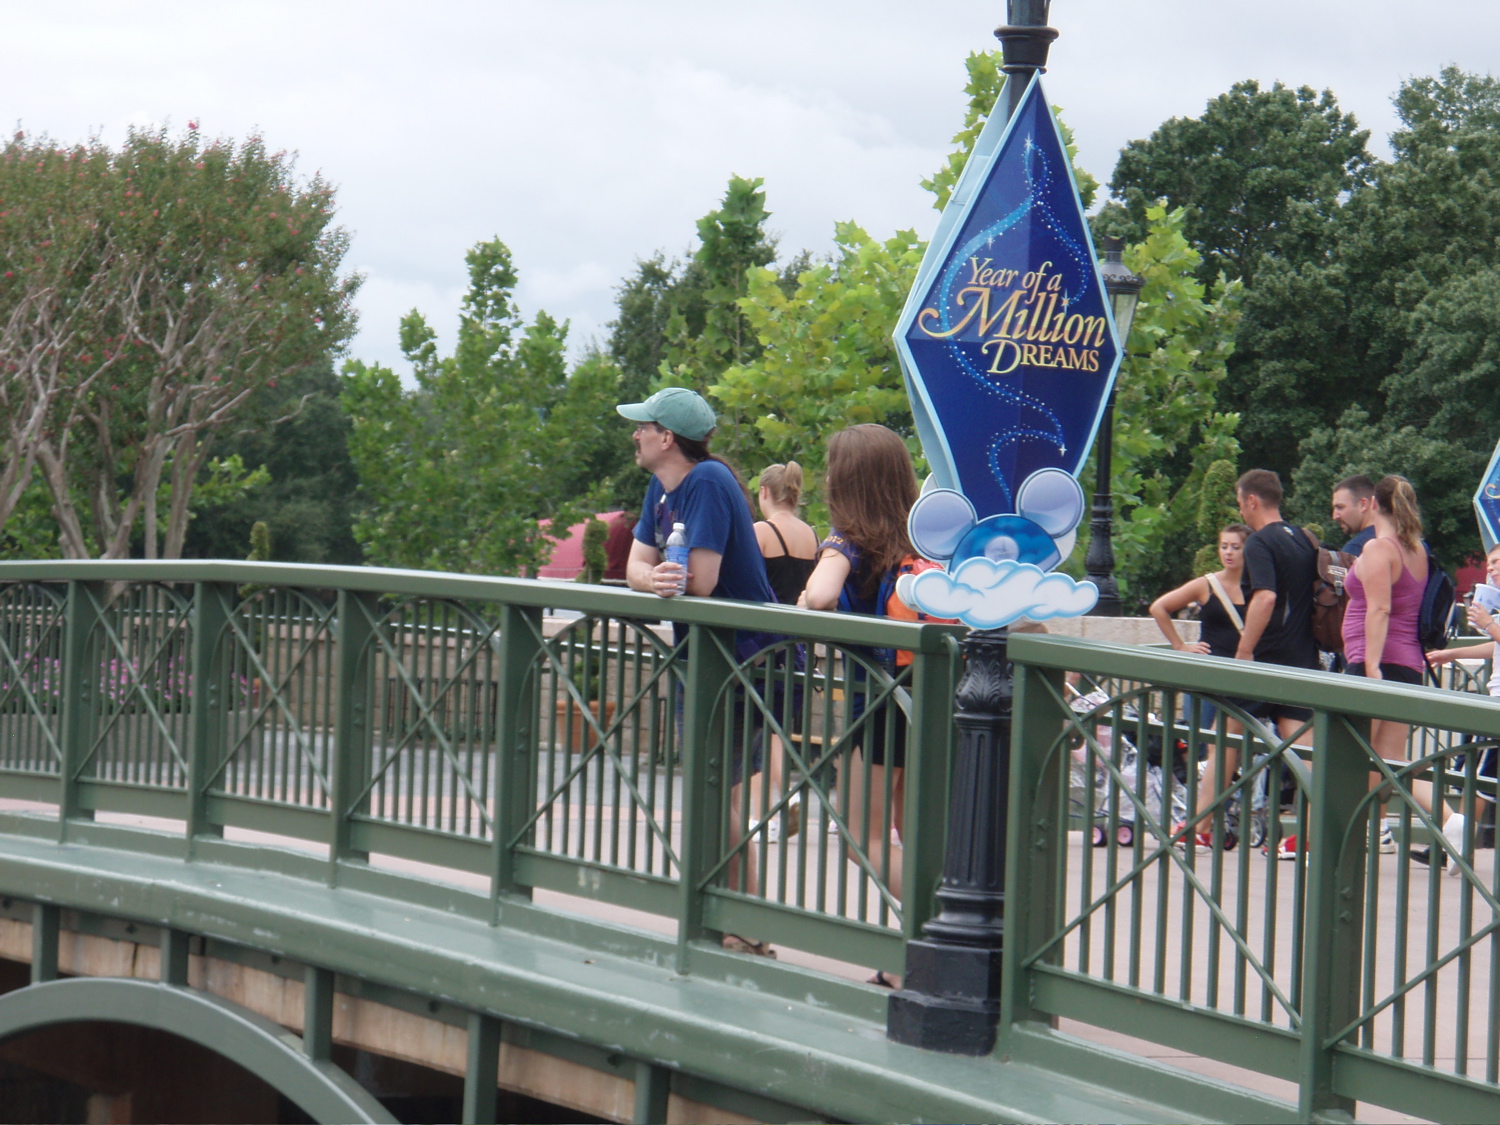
point(711, 506)
point(1357, 543)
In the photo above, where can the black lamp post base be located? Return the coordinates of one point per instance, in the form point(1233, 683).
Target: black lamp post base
point(950, 999)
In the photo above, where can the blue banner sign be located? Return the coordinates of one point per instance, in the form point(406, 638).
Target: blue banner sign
point(1487, 503)
point(1009, 352)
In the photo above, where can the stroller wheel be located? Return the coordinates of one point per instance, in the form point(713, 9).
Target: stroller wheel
point(1100, 837)
point(1125, 835)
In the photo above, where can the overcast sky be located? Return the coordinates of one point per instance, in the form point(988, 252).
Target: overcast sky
point(589, 134)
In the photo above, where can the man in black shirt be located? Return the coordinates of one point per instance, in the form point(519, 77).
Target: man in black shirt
point(1280, 565)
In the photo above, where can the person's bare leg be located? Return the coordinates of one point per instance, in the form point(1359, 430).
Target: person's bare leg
point(736, 834)
point(775, 770)
point(868, 831)
point(1421, 791)
point(1214, 780)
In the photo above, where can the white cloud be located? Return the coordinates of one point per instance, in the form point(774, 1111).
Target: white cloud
point(986, 595)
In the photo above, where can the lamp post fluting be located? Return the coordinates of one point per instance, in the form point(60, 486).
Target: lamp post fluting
point(1124, 291)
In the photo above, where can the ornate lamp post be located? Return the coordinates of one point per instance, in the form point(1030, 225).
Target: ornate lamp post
point(1124, 290)
point(950, 1000)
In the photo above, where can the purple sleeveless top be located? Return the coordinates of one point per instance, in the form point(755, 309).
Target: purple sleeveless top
point(1401, 645)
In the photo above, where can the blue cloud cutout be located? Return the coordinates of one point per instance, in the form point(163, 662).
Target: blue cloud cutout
point(985, 594)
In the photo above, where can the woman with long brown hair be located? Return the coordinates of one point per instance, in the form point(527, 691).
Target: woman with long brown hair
point(871, 488)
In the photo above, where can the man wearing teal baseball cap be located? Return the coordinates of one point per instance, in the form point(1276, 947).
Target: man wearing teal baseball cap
point(690, 486)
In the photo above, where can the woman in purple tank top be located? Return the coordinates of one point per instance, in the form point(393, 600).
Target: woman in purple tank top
point(1385, 600)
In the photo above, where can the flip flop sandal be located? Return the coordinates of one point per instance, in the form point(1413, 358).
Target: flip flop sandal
point(881, 980)
point(736, 944)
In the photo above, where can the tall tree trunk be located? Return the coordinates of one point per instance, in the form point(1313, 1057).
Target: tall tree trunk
point(70, 535)
point(186, 464)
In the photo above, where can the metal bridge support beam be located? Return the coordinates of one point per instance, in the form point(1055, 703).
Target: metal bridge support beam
point(515, 757)
point(322, 1090)
point(317, 1013)
point(46, 922)
point(174, 957)
point(653, 1084)
point(704, 717)
point(482, 1072)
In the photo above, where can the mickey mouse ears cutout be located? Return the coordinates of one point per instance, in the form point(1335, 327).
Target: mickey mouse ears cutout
point(1049, 499)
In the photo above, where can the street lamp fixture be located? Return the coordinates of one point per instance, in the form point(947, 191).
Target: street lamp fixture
point(1124, 291)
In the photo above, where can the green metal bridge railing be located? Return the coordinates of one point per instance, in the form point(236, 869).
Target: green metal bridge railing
point(1355, 976)
point(451, 721)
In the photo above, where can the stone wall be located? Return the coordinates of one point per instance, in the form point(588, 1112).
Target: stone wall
point(1119, 630)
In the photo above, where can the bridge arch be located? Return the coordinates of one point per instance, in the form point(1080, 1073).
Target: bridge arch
point(265, 1049)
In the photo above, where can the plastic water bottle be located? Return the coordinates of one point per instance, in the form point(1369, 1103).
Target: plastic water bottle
point(677, 552)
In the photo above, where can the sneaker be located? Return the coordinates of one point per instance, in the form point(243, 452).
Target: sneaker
point(1285, 849)
point(1204, 841)
point(773, 830)
point(1424, 856)
point(1387, 843)
point(1199, 840)
point(794, 815)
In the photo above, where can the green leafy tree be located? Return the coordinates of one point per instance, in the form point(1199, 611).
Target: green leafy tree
point(1259, 172)
point(1262, 174)
point(1391, 361)
point(645, 304)
point(828, 360)
point(299, 434)
point(456, 473)
point(986, 81)
point(31, 530)
point(595, 532)
point(1168, 428)
point(1217, 508)
point(171, 280)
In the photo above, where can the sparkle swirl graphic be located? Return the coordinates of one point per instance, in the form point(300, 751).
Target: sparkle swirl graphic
point(1034, 420)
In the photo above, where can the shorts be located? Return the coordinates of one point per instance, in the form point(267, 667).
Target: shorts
point(737, 724)
point(1271, 712)
point(1395, 673)
point(887, 719)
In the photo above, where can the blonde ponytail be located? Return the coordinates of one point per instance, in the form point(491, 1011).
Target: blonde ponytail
point(1397, 499)
point(784, 483)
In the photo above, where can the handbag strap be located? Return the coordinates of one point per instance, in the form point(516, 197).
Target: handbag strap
point(1223, 595)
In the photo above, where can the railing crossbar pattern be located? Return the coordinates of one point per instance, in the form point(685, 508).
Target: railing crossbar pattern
point(1351, 916)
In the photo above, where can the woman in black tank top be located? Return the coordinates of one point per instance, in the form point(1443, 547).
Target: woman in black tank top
point(1220, 621)
point(1218, 631)
point(788, 574)
point(788, 544)
point(790, 548)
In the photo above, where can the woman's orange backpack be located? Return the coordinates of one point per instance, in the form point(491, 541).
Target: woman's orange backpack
point(887, 604)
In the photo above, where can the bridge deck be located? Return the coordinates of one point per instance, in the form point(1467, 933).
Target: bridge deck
point(800, 1051)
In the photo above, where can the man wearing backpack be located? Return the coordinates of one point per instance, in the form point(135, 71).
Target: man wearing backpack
point(1281, 565)
point(1279, 571)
